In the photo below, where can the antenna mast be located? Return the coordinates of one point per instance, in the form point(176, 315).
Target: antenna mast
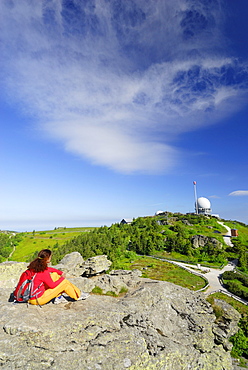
point(196, 205)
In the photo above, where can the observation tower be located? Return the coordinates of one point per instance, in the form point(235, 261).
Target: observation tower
point(202, 205)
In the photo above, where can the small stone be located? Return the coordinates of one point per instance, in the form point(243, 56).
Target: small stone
point(127, 362)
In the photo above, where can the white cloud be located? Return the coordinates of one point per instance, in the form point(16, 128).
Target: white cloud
point(114, 147)
point(239, 193)
point(107, 81)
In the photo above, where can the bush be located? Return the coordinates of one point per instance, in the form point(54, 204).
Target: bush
point(244, 324)
point(123, 290)
point(2, 259)
point(97, 290)
point(218, 311)
point(131, 255)
point(235, 287)
point(240, 344)
point(236, 283)
point(112, 294)
point(230, 275)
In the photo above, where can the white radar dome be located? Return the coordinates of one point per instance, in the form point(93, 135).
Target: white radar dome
point(203, 203)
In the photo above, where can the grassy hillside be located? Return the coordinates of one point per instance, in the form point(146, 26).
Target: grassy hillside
point(31, 242)
point(168, 235)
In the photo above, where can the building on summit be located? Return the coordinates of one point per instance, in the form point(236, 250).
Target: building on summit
point(203, 206)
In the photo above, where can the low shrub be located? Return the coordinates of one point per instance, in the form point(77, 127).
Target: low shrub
point(97, 290)
point(236, 287)
point(218, 311)
point(231, 275)
point(112, 294)
point(123, 290)
point(240, 344)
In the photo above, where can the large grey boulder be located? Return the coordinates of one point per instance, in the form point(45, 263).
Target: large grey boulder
point(202, 240)
point(156, 325)
point(10, 273)
point(71, 263)
point(96, 265)
point(74, 264)
point(72, 260)
point(226, 326)
point(117, 281)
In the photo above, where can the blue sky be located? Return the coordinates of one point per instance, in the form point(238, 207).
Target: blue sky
point(110, 109)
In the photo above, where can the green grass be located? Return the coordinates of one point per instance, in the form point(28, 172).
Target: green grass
point(190, 259)
point(111, 294)
point(97, 290)
point(28, 246)
point(123, 290)
point(211, 229)
point(35, 241)
point(242, 230)
point(240, 307)
point(159, 270)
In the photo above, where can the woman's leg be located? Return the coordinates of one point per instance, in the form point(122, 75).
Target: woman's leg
point(64, 287)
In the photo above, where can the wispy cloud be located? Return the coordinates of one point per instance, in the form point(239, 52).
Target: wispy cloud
point(112, 80)
point(239, 193)
point(214, 196)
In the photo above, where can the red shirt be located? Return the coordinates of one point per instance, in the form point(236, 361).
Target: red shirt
point(42, 280)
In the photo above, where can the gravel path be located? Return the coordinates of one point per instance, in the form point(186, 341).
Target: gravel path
point(227, 237)
point(211, 274)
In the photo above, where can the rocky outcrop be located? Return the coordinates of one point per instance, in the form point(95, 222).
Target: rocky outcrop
point(96, 265)
point(71, 263)
point(76, 266)
point(10, 272)
point(226, 325)
point(118, 281)
point(186, 222)
point(202, 240)
point(155, 325)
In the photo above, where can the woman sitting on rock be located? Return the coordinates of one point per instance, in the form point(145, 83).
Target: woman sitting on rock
point(48, 282)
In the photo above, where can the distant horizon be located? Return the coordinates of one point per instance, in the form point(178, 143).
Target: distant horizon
point(78, 224)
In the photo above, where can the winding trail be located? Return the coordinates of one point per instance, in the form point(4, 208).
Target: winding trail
point(213, 275)
point(13, 250)
point(227, 237)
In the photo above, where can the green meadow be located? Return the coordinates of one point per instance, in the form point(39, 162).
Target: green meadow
point(34, 241)
point(160, 270)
